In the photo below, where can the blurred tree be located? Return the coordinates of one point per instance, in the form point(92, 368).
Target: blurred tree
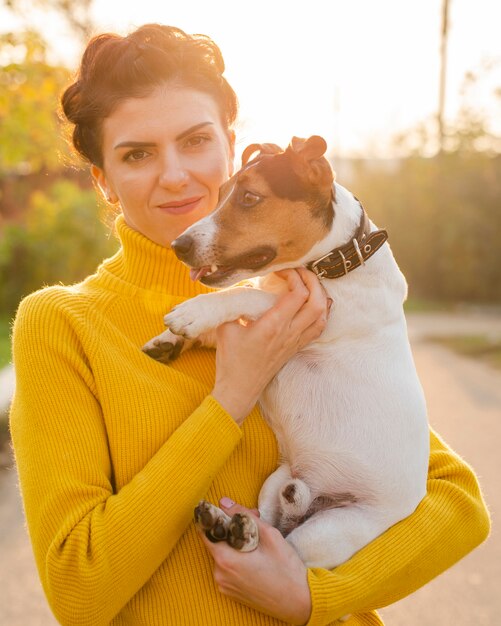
point(77, 13)
point(443, 215)
point(470, 131)
point(60, 240)
point(443, 72)
point(30, 137)
point(33, 150)
point(443, 209)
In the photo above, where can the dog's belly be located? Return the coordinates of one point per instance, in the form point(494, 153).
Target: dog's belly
point(348, 429)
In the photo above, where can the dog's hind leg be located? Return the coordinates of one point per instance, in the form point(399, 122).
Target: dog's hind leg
point(240, 531)
point(332, 536)
point(295, 498)
point(270, 509)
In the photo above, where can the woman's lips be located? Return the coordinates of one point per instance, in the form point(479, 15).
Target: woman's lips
point(181, 206)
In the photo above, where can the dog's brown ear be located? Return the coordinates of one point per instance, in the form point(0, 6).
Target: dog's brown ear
point(308, 162)
point(262, 148)
point(312, 148)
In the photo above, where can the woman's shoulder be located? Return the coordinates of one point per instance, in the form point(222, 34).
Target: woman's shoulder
point(53, 318)
point(56, 301)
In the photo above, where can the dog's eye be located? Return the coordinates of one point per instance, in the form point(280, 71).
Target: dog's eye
point(249, 199)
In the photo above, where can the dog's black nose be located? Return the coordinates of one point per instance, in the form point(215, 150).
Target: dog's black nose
point(182, 246)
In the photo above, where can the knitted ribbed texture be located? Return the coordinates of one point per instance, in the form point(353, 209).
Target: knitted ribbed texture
point(114, 451)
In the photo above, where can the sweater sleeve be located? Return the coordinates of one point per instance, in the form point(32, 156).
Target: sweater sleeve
point(450, 521)
point(95, 547)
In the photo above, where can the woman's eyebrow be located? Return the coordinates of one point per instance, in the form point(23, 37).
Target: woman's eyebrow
point(135, 144)
point(192, 129)
point(149, 144)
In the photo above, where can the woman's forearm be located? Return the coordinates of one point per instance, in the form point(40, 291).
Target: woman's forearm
point(95, 549)
point(95, 543)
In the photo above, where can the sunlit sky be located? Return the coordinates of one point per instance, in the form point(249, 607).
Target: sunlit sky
point(353, 71)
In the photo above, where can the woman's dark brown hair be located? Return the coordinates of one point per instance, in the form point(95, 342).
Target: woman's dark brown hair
point(115, 68)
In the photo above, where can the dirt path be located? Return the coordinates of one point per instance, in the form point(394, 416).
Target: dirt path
point(464, 401)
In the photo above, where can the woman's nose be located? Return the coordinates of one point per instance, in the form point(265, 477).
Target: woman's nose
point(173, 173)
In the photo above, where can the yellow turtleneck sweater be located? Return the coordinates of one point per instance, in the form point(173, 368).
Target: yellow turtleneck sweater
point(114, 450)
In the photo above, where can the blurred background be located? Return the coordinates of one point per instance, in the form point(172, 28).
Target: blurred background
point(408, 97)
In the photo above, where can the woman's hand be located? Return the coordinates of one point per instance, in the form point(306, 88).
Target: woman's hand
point(271, 579)
point(248, 356)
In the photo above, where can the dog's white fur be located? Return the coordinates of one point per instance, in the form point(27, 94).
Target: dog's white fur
point(348, 410)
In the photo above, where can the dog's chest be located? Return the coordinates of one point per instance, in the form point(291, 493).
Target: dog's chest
point(297, 404)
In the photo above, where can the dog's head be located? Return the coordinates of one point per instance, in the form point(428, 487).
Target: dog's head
point(269, 214)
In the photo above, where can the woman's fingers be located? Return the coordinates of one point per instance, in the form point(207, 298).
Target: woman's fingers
point(302, 311)
point(304, 287)
point(271, 578)
point(290, 303)
point(314, 312)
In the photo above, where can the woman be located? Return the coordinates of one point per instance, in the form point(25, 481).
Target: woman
point(114, 450)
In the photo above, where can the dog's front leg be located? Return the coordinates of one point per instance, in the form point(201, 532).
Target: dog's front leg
point(193, 322)
point(167, 346)
point(192, 318)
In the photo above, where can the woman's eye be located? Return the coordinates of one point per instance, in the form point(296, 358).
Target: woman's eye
point(196, 140)
point(135, 155)
point(250, 199)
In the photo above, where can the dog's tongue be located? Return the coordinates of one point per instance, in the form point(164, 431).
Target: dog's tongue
point(198, 272)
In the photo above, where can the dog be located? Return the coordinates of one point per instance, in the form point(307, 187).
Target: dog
point(348, 410)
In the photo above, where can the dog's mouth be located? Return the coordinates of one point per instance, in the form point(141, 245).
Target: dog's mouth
point(253, 260)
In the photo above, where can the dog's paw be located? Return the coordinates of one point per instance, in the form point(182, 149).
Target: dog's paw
point(183, 320)
point(239, 531)
point(164, 348)
point(212, 520)
point(243, 533)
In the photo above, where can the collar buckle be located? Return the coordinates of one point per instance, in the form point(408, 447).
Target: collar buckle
point(313, 267)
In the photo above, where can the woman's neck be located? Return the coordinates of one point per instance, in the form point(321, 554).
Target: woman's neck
point(147, 265)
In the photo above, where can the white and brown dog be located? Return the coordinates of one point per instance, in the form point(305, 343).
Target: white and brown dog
point(348, 410)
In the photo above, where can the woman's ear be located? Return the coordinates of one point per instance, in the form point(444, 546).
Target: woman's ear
point(100, 180)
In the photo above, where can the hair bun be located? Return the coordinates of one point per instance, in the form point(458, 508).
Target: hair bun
point(71, 102)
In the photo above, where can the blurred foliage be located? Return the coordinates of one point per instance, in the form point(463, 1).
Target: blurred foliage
point(54, 234)
point(61, 240)
point(442, 210)
point(5, 330)
point(443, 216)
point(471, 129)
point(77, 13)
point(30, 137)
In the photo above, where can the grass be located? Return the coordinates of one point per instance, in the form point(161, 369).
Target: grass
point(480, 347)
point(5, 358)
point(418, 305)
point(4, 431)
point(5, 329)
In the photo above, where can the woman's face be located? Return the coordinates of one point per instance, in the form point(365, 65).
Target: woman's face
point(164, 158)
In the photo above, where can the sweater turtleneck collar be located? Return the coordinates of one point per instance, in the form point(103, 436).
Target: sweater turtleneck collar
point(147, 265)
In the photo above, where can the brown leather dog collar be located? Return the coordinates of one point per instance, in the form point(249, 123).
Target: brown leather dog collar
point(340, 261)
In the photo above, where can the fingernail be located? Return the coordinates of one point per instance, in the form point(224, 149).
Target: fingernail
point(226, 502)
